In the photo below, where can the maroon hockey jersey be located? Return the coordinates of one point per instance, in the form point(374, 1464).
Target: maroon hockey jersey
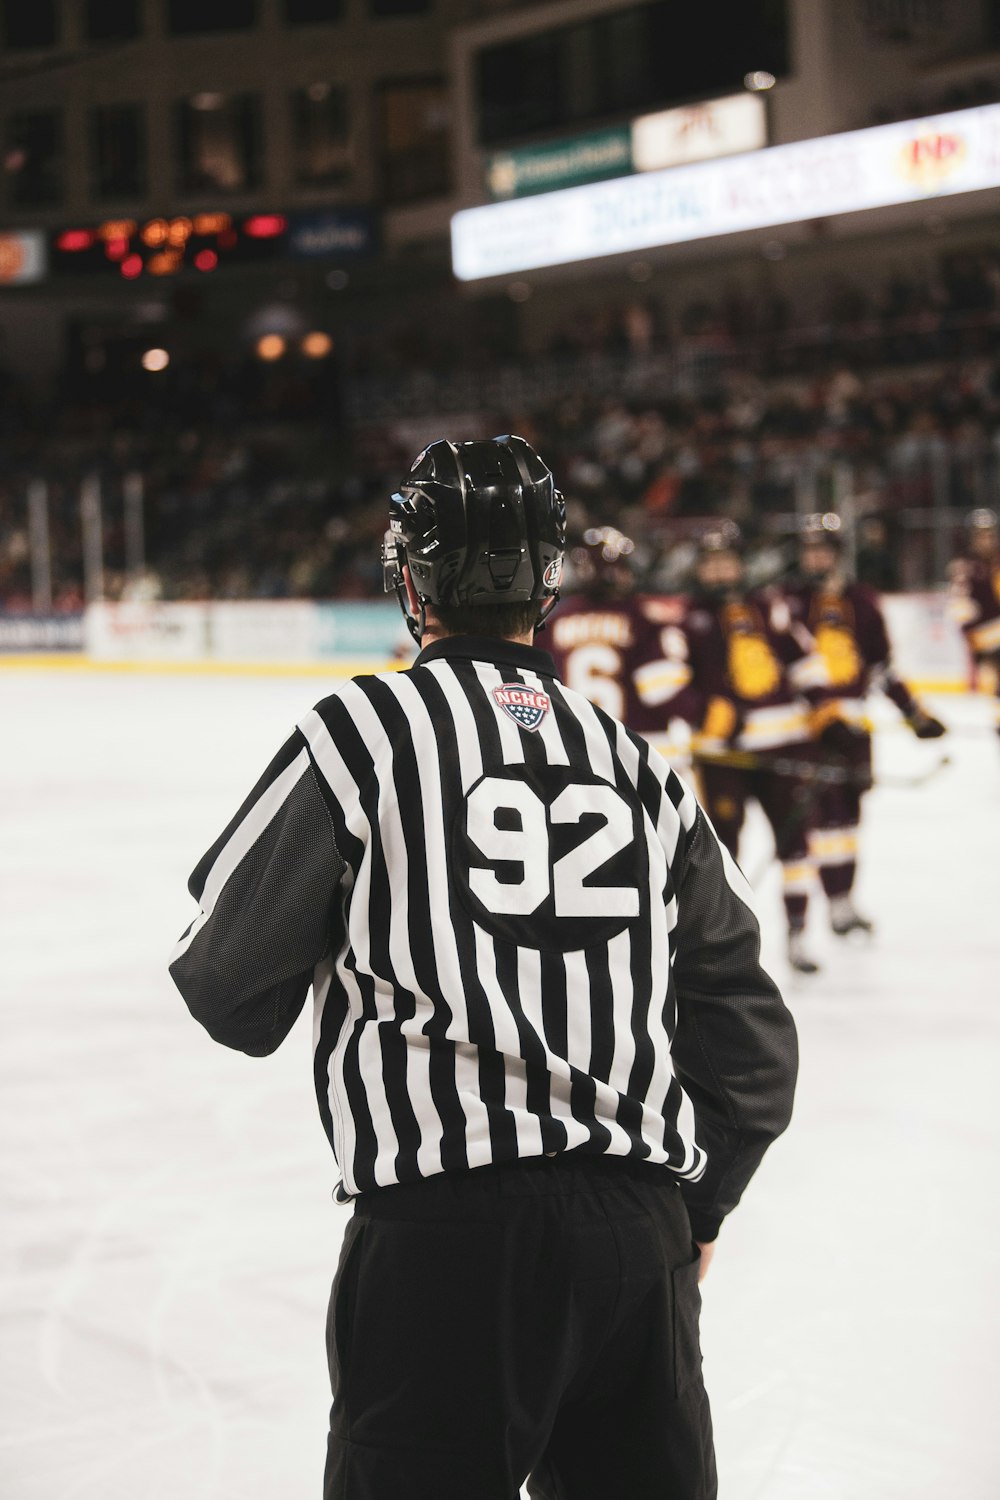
point(744, 668)
point(976, 602)
point(614, 652)
point(849, 629)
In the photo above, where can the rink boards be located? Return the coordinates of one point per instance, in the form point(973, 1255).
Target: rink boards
point(324, 639)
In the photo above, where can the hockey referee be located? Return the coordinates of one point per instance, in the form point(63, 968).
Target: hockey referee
point(546, 1056)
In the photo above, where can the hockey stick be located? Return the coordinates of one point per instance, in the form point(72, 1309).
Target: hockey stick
point(803, 803)
point(814, 772)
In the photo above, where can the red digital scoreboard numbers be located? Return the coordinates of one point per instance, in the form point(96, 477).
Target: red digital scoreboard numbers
point(133, 248)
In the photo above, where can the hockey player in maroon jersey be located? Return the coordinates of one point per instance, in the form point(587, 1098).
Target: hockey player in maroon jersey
point(975, 581)
point(744, 673)
point(845, 620)
point(608, 641)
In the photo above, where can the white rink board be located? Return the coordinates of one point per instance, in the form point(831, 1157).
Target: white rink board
point(167, 1238)
point(927, 643)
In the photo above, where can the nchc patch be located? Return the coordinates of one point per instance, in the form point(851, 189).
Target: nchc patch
point(525, 705)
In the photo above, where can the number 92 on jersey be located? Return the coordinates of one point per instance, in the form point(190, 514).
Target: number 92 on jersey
point(554, 859)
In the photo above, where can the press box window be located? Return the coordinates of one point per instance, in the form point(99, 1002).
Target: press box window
point(118, 151)
point(321, 136)
point(399, 7)
point(218, 140)
point(112, 20)
point(414, 131)
point(196, 17)
point(312, 12)
point(33, 158)
point(28, 23)
point(625, 60)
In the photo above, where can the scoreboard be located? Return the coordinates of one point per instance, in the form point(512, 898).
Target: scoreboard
point(202, 242)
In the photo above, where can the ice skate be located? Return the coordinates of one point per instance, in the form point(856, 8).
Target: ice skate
point(798, 954)
point(845, 917)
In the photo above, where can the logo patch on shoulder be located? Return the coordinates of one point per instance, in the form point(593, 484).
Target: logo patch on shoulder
point(525, 705)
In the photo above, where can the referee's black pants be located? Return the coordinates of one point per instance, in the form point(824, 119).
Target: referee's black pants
point(538, 1319)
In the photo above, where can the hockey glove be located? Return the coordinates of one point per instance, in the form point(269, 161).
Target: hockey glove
point(925, 726)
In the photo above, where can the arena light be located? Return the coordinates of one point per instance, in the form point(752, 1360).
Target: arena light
point(154, 234)
point(206, 260)
point(155, 360)
point(206, 224)
point(131, 267)
point(73, 240)
point(165, 263)
point(759, 81)
point(907, 162)
point(270, 346)
point(265, 226)
point(316, 345)
point(117, 229)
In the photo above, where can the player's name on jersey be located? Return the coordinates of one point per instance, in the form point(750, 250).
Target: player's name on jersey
point(579, 630)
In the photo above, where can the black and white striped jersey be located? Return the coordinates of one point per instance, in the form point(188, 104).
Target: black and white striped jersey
point(521, 933)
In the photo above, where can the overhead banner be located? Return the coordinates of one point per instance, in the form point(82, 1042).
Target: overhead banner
point(559, 164)
point(22, 257)
point(698, 132)
point(836, 174)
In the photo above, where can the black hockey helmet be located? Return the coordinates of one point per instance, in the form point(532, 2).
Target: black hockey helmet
point(602, 561)
point(724, 536)
point(476, 523)
point(981, 519)
point(721, 540)
point(821, 529)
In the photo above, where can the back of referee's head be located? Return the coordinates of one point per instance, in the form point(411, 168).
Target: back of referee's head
point(476, 537)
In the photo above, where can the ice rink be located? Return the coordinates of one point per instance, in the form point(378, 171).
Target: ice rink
point(168, 1236)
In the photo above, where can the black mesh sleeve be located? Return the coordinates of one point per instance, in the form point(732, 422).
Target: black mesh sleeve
point(246, 973)
point(735, 1048)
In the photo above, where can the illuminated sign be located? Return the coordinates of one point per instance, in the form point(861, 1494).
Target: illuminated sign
point(22, 257)
point(906, 162)
point(558, 164)
point(698, 132)
point(332, 233)
point(204, 241)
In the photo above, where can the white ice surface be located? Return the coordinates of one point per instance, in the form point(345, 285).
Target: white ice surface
point(167, 1237)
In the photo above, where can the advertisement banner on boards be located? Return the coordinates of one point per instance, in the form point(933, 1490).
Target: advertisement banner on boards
point(41, 632)
point(146, 631)
point(927, 645)
point(366, 629)
point(244, 631)
point(261, 630)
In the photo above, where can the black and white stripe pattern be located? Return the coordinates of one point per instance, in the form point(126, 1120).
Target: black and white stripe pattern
point(442, 1041)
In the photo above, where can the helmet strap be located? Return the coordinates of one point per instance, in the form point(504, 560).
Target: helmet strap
point(546, 609)
point(414, 625)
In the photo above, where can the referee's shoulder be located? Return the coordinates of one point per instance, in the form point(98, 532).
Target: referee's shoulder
point(340, 706)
